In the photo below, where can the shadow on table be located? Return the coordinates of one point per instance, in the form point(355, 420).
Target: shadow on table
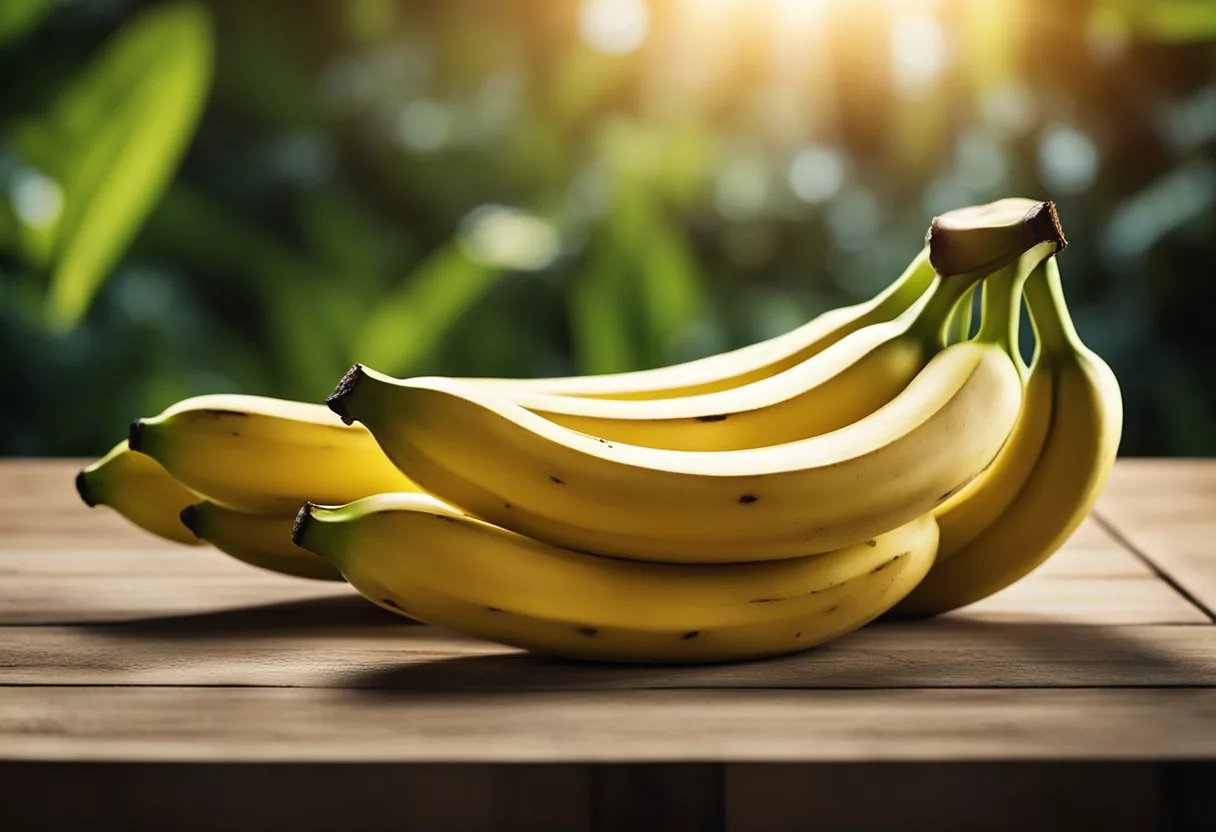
point(328, 613)
point(946, 653)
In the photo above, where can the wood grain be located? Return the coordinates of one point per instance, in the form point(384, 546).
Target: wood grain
point(147, 724)
point(1167, 510)
point(281, 651)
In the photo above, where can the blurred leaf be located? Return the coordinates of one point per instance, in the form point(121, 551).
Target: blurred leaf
point(129, 118)
point(349, 237)
point(20, 17)
point(1175, 20)
point(411, 320)
point(600, 302)
point(671, 292)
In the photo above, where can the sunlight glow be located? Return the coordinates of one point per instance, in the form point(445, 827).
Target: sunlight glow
point(918, 53)
point(510, 238)
point(614, 27)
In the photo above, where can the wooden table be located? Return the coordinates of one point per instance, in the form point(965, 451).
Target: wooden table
point(138, 681)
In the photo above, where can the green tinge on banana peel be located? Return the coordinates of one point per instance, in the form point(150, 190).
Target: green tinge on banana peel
point(985, 238)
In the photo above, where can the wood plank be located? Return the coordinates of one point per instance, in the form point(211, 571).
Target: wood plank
point(320, 725)
point(303, 798)
point(287, 650)
point(1167, 510)
point(939, 797)
point(68, 577)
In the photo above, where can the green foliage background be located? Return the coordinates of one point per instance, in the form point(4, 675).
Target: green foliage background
point(249, 196)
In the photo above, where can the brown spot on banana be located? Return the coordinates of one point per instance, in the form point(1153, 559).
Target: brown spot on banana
point(718, 417)
point(748, 499)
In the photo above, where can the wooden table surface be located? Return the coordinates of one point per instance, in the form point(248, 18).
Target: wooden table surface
point(146, 673)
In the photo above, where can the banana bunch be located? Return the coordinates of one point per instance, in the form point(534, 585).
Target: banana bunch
point(880, 458)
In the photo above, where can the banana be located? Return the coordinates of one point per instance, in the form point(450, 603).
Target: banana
point(265, 456)
point(262, 540)
point(828, 391)
point(1077, 456)
point(1006, 228)
point(834, 388)
point(511, 467)
point(408, 553)
point(140, 490)
point(967, 513)
point(737, 367)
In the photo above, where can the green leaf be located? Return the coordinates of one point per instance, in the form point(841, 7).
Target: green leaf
point(20, 17)
point(411, 321)
point(124, 126)
point(600, 302)
point(671, 293)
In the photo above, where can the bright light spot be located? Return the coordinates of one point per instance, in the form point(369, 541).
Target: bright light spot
point(614, 27)
point(817, 173)
point(854, 218)
point(36, 198)
point(982, 161)
point(918, 53)
point(796, 14)
point(423, 125)
point(742, 187)
point(1068, 160)
point(1009, 109)
point(509, 238)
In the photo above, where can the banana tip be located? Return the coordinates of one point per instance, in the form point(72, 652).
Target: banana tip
point(135, 435)
point(337, 399)
point(189, 518)
point(82, 488)
point(298, 528)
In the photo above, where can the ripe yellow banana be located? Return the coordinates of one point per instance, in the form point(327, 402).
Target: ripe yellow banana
point(263, 455)
point(262, 540)
point(500, 462)
point(1077, 456)
point(967, 513)
point(737, 367)
point(829, 390)
point(409, 553)
point(140, 490)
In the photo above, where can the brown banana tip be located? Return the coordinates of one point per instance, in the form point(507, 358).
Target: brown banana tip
point(1042, 224)
point(82, 488)
point(189, 518)
point(337, 399)
point(303, 516)
point(135, 435)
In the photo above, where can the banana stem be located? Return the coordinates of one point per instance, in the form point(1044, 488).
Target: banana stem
point(960, 321)
point(944, 295)
point(1053, 325)
point(1001, 307)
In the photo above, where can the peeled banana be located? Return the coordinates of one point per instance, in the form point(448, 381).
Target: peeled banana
point(411, 554)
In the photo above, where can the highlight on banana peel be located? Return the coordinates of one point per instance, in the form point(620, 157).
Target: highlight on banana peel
point(881, 458)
